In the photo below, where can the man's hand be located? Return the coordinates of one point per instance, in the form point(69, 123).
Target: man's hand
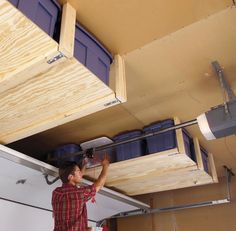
point(105, 161)
point(84, 164)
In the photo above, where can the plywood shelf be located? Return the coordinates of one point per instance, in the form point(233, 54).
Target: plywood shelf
point(167, 170)
point(24, 47)
point(37, 93)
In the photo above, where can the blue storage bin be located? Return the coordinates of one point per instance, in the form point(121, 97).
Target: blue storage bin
point(129, 150)
point(187, 144)
point(14, 2)
point(92, 54)
point(63, 150)
point(204, 159)
point(204, 156)
point(43, 13)
point(163, 141)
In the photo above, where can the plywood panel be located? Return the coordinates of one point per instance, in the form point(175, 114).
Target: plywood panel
point(127, 25)
point(22, 45)
point(65, 92)
point(181, 178)
point(153, 173)
point(143, 166)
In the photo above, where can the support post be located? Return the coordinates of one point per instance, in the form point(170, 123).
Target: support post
point(67, 35)
point(118, 78)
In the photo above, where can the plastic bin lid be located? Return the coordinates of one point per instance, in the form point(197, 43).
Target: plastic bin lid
point(159, 124)
point(153, 126)
point(167, 122)
point(95, 40)
point(95, 143)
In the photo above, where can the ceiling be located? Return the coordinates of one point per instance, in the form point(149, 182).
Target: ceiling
point(168, 47)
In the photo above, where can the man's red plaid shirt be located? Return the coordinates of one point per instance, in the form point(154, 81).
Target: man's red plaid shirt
point(69, 207)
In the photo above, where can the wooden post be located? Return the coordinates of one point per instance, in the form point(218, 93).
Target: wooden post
point(119, 87)
point(179, 137)
point(67, 35)
point(212, 168)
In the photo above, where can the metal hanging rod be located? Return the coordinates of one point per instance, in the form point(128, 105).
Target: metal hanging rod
point(89, 152)
point(223, 82)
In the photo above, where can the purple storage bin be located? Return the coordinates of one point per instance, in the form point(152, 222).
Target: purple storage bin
point(163, 141)
point(204, 156)
point(204, 159)
point(129, 150)
point(14, 2)
point(92, 54)
point(187, 144)
point(43, 13)
point(63, 150)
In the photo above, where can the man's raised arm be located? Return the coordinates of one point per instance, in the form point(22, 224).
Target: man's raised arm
point(99, 183)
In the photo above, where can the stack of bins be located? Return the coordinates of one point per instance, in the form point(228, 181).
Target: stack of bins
point(60, 153)
point(131, 149)
point(44, 13)
point(89, 52)
point(167, 140)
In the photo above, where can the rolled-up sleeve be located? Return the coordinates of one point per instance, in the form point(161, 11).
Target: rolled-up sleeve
point(88, 192)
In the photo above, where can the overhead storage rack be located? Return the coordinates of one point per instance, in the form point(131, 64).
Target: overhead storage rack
point(161, 171)
point(42, 85)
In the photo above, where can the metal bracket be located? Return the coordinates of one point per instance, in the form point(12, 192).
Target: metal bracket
point(55, 58)
point(224, 85)
point(228, 174)
point(51, 182)
point(223, 82)
point(111, 103)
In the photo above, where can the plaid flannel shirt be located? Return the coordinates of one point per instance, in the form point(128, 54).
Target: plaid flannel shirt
point(69, 207)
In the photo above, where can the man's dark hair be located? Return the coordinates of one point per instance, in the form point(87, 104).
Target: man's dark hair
point(65, 169)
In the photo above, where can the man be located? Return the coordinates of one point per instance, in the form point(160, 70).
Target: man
point(69, 201)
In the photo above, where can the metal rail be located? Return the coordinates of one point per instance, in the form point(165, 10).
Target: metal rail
point(89, 152)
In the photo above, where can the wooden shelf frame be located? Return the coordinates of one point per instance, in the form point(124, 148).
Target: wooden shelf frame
point(41, 84)
point(167, 170)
